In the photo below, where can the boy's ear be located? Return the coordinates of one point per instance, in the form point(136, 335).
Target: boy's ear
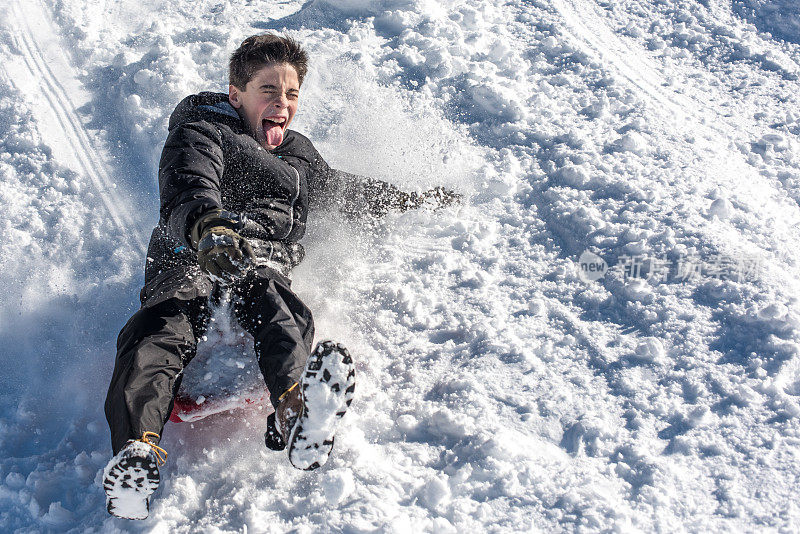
point(234, 96)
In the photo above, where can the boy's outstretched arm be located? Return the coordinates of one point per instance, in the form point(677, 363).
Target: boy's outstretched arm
point(360, 196)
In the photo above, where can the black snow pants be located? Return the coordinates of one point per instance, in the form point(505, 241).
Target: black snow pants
point(161, 338)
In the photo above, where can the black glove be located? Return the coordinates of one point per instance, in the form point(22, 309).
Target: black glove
point(221, 251)
point(438, 197)
point(384, 197)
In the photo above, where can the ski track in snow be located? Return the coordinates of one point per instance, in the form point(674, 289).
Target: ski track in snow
point(496, 391)
point(587, 27)
point(35, 34)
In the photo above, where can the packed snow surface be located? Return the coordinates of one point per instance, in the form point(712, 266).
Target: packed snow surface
point(503, 385)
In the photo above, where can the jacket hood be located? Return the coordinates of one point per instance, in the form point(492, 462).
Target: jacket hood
point(213, 107)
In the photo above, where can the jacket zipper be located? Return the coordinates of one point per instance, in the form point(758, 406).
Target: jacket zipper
point(294, 200)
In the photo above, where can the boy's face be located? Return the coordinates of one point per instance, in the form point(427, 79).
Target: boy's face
point(268, 102)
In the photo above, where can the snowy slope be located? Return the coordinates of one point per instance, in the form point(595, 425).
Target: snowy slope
point(498, 391)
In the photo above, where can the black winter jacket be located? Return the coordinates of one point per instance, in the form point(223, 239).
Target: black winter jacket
point(210, 160)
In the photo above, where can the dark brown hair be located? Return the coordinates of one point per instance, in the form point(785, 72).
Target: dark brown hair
point(264, 49)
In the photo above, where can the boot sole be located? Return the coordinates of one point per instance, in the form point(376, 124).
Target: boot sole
point(327, 388)
point(128, 486)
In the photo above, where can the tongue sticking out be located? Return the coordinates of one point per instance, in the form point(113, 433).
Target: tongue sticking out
point(274, 133)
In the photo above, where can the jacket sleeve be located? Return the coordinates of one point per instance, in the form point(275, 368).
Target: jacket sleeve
point(354, 195)
point(189, 177)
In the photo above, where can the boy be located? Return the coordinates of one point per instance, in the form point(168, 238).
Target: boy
point(236, 187)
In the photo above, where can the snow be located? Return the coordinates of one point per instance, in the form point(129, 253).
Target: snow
point(499, 387)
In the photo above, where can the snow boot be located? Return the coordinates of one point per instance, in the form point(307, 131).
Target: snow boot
point(308, 413)
point(132, 476)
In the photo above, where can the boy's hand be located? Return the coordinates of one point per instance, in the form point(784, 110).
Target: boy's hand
point(224, 254)
point(221, 251)
point(440, 197)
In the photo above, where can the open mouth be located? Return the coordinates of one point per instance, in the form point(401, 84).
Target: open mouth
point(273, 129)
point(273, 121)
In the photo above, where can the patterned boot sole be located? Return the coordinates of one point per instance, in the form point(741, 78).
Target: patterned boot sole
point(327, 387)
point(129, 484)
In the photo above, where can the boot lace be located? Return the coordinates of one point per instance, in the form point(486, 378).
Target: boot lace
point(161, 454)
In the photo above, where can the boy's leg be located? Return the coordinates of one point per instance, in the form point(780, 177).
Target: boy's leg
point(152, 349)
point(281, 325)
